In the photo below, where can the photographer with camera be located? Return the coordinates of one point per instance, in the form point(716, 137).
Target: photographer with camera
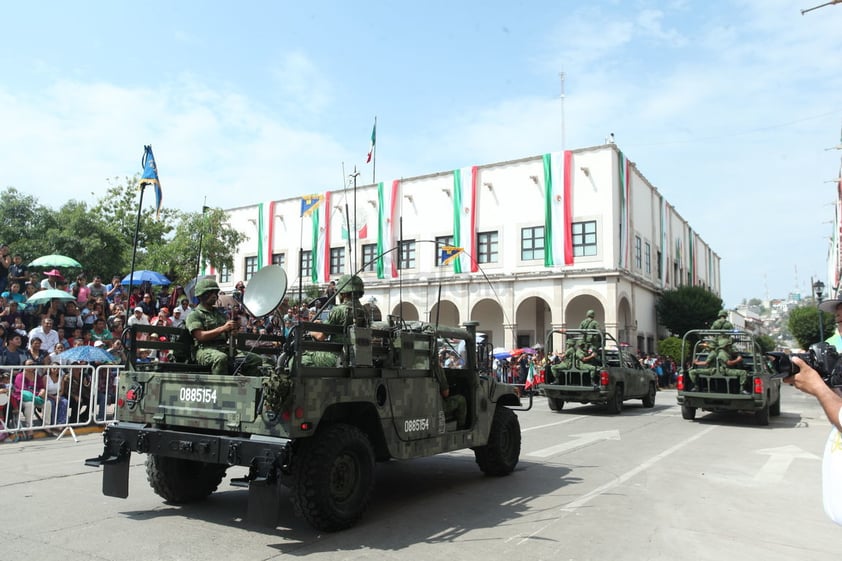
point(808, 380)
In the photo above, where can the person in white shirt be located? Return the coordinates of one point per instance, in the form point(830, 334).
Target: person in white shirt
point(138, 317)
point(177, 318)
point(48, 335)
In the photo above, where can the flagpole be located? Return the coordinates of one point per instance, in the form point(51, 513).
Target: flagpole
point(201, 236)
point(136, 231)
point(354, 238)
point(301, 263)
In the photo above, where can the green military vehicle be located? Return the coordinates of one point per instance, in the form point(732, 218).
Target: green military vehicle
point(314, 430)
point(727, 372)
point(609, 376)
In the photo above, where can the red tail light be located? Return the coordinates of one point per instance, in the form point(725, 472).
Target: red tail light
point(680, 383)
point(603, 378)
point(758, 385)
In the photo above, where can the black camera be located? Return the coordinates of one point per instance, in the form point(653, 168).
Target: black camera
point(824, 359)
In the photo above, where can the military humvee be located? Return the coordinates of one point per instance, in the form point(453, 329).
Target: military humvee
point(614, 376)
point(316, 430)
point(710, 383)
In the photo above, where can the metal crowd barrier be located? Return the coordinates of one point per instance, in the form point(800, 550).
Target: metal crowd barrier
point(76, 396)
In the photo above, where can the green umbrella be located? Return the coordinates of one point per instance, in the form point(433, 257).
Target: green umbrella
point(55, 261)
point(45, 296)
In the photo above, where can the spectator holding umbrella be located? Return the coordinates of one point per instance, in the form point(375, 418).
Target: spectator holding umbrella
point(52, 279)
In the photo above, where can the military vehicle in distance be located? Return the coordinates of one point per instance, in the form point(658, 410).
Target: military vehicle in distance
point(613, 376)
point(741, 379)
point(316, 430)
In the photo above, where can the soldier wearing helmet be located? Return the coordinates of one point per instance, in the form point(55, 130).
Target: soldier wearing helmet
point(348, 312)
point(722, 321)
point(210, 330)
point(589, 323)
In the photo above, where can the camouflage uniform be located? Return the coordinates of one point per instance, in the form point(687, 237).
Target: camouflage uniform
point(347, 313)
point(455, 406)
point(215, 353)
point(566, 363)
point(717, 363)
point(589, 323)
point(722, 322)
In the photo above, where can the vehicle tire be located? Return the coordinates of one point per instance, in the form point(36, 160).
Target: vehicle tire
point(501, 454)
point(762, 415)
point(775, 408)
point(182, 481)
point(688, 413)
point(332, 477)
point(555, 403)
point(615, 403)
point(649, 398)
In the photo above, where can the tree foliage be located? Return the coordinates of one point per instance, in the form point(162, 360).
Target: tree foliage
point(100, 235)
point(205, 232)
point(687, 307)
point(766, 343)
point(804, 325)
point(671, 347)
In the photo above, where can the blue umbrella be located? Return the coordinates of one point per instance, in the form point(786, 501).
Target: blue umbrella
point(144, 275)
point(87, 354)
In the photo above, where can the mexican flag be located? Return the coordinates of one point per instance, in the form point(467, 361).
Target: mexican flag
point(465, 218)
point(320, 218)
point(387, 229)
point(373, 139)
point(265, 233)
point(558, 205)
point(624, 186)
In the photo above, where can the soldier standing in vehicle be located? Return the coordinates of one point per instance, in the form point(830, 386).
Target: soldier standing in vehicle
point(589, 323)
point(348, 312)
point(722, 321)
point(210, 331)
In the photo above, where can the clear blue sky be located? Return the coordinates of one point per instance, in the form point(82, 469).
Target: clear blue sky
point(727, 107)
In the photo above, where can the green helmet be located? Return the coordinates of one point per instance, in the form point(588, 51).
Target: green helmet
point(590, 314)
point(351, 283)
point(206, 285)
point(723, 313)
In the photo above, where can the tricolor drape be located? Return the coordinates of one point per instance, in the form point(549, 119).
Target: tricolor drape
point(320, 217)
point(465, 218)
point(265, 233)
point(388, 213)
point(558, 213)
point(624, 186)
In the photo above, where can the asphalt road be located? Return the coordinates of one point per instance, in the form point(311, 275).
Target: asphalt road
point(589, 486)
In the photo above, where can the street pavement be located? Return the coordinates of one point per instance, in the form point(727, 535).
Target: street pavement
point(644, 484)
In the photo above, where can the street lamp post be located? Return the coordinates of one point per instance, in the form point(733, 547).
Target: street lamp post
point(818, 289)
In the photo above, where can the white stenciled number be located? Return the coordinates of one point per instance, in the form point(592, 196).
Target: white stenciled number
point(198, 395)
point(416, 425)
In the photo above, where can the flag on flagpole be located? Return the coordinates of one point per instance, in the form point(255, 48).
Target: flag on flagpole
point(150, 177)
point(373, 139)
point(309, 203)
point(449, 253)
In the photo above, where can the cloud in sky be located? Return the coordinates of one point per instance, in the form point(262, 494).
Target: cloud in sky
point(725, 107)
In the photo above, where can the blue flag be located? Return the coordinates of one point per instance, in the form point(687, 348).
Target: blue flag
point(449, 253)
point(309, 203)
point(150, 176)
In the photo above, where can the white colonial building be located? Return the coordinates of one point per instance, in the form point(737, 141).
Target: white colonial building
point(545, 239)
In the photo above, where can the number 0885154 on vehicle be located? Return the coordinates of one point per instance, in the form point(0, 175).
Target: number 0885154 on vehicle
point(197, 395)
